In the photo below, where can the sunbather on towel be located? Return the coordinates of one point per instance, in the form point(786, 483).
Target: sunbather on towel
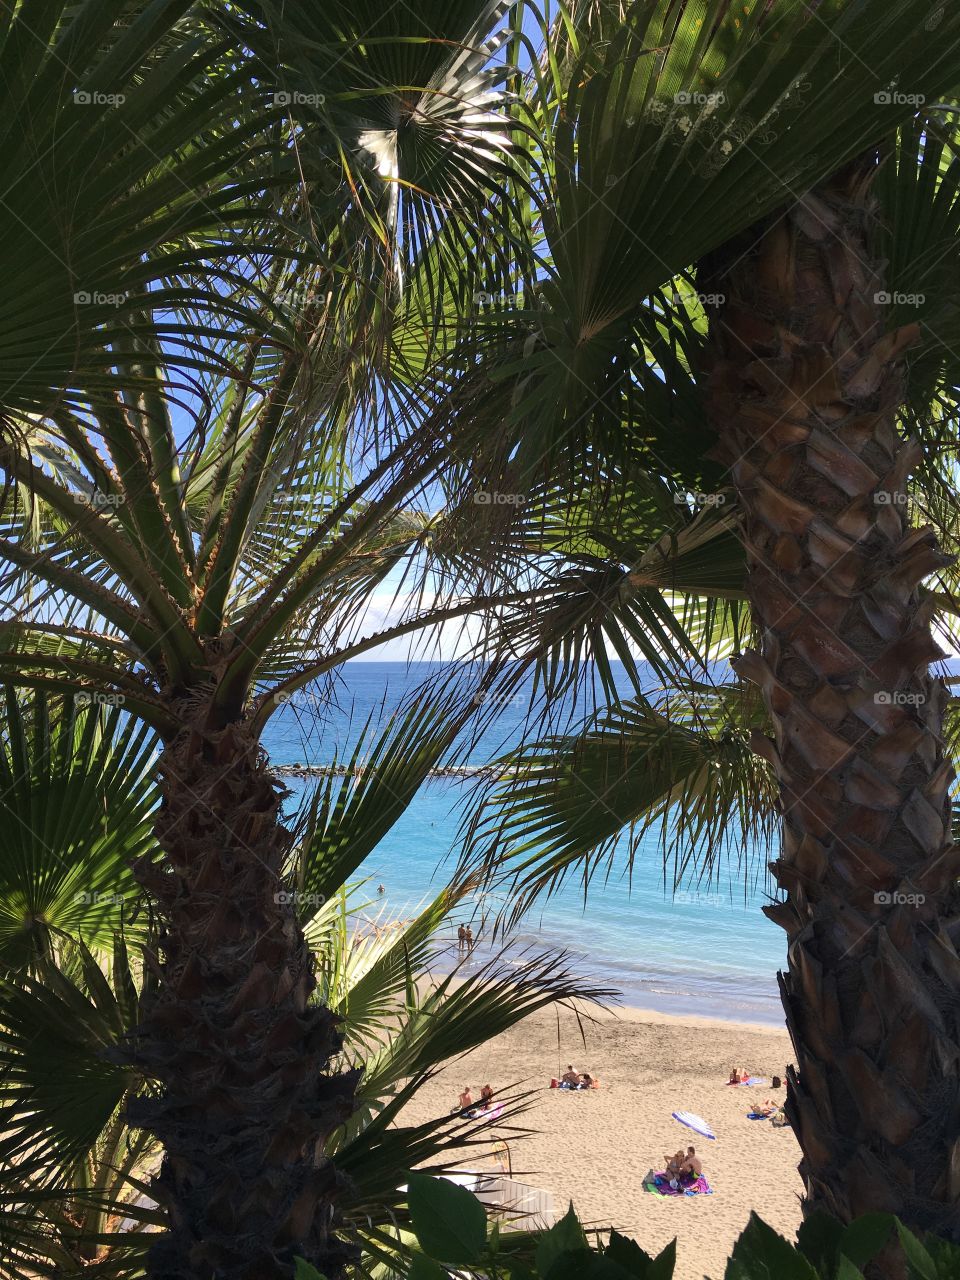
point(577, 1080)
point(691, 1168)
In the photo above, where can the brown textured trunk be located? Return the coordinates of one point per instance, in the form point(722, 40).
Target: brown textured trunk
point(243, 1059)
point(804, 386)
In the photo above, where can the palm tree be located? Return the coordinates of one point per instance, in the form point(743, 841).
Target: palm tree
point(805, 387)
point(76, 1190)
point(200, 513)
point(663, 138)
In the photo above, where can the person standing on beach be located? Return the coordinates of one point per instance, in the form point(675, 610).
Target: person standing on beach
point(469, 938)
point(461, 939)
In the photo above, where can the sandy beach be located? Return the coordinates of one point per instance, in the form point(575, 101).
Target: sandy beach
point(595, 1148)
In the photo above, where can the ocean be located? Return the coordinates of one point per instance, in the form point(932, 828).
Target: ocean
point(705, 949)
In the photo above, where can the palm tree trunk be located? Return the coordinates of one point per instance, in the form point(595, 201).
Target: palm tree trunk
point(803, 387)
point(247, 1099)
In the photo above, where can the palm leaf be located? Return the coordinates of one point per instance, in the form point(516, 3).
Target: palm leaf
point(685, 769)
point(76, 802)
point(131, 108)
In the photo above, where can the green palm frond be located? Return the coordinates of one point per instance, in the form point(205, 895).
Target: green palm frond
point(441, 1021)
point(70, 1187)
point(638, 570)
point(655, 122)
point(379, 1160)
point(683, 769)
point(347, 816)
point(135, 117)
point(918, 189)
point(60, 1089)
point(76, 804)
point(411, 104)
point(368, 965)
point(460, 1011)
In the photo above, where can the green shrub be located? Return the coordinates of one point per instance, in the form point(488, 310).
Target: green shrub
point(454, 1235)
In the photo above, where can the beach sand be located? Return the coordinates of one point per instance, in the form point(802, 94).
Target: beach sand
point(596, 1148)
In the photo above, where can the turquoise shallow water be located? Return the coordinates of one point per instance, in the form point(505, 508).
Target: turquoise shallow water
point(707, 950)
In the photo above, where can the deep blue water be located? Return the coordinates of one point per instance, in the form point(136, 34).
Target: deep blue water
point(705, 950)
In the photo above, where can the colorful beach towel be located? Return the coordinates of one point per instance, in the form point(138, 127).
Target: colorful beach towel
point(777, 1118)
point(659, 1185)
point(478, 1113)
point(749, 1080)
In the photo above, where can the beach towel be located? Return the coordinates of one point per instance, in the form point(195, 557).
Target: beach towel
point(571, 1088)
point(749, 1080)
point(659, 1185)
point(478, 1113)
point(696, 1123)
